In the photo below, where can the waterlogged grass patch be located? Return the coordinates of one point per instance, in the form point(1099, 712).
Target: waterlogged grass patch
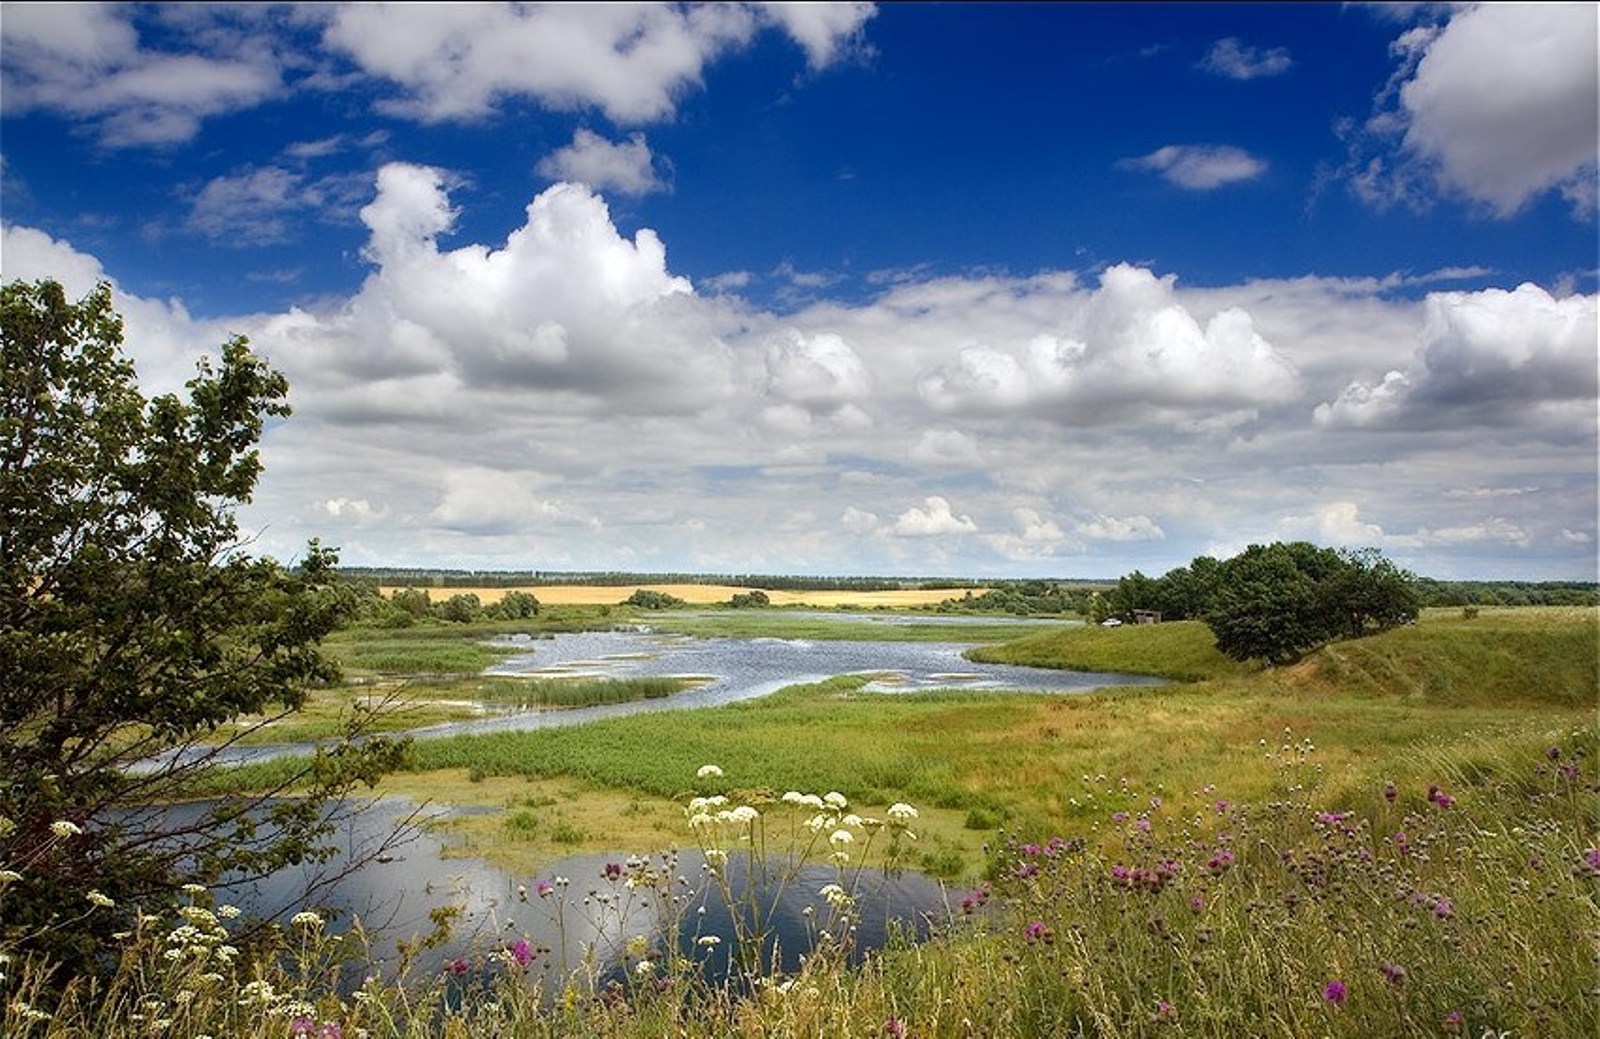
point(1462, 902)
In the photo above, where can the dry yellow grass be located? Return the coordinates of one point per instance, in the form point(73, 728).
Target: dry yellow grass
point(699, 594)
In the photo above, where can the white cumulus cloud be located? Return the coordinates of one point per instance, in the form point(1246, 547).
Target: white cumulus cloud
point(1198, 167)
point(1498, 105)
point(1489, 357)
point(626, 167)
point(935, 520)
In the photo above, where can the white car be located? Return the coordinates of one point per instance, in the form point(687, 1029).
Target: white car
point(1111, 622)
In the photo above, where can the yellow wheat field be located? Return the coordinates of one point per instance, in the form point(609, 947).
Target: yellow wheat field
point(699, 594)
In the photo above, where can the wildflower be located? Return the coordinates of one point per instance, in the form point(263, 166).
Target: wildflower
point(710, 940)
point(1394, 974)
point(300, 1027)
point(458, 966)
point(716, 858)
point(1221, 861)
point(644, 968)
point(330, 1030)
point(1553, 753)
point(1334, 992)
point(307, 919)
point(1197, 904)
point(194, 889)
point(1165, 1014)
point(835, 799)
point(894, 1028)
point(1591, 861)
point(1452, 1022)
point(901, 813)
point(227, 912)
point(97, 899)
point(841, 837)
point(1390, 792)
point(709, 772)
point(1222, 807)
point(1119, 817)
point(743, 815)
point(521, 952)
point(1039, 931)
point(65, 828)
point(611, 870)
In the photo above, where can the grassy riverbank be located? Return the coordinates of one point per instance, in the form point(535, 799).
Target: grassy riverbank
point(1396, 836)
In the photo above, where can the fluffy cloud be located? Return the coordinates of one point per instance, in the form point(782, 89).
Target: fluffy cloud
point(1131, 351)
point(1235, 59)
point(566, 306)
point(632, 61)
point(562, 396)
point(817, 372)
point(824, 31)
point(1198, 167)
point(1490, 357)
point(86, 60)
point(1498, 105)
point(624, 166)
point(936, 520)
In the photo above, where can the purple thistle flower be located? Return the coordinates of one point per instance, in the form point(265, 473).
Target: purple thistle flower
point(521, 952)
point(1038, 931)
point(1334, 992)
point(1452, 1022)
point(1389, 792)
point(459, 966)
point(894, 1028)
point(331, 1030)
point(1165, 1014)
point(1394, 974)
point(301, 1026)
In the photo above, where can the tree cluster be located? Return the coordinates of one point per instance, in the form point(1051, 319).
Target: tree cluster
point(1274, 602)
point(406, 606)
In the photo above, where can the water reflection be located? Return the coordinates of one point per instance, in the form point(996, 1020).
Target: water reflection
point(590, 917)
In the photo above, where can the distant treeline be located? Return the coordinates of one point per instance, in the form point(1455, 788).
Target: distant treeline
point(1508, 593)
point(1030, 595)
point(424, 578)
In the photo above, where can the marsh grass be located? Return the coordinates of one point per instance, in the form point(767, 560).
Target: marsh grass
point(1395, 837)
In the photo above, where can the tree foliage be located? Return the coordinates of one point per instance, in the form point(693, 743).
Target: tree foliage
point(132, 626)
point(1275, 602)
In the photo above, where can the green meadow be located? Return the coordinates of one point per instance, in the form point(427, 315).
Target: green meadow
point(1394, 836)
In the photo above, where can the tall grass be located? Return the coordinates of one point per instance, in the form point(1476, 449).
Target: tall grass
point(1395, 837)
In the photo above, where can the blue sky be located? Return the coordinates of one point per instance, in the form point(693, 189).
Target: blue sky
point(978, 290)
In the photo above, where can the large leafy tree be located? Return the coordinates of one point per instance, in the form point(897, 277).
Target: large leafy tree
point(1275, 602)
point(133, 626)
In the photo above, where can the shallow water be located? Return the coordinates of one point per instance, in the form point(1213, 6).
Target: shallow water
point(579, 915)
point(730, 670)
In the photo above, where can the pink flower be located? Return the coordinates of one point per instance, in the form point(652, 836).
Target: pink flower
point(521, 952)
point(1334, 992)
point(543, 888)
point(1453, 1021)
point(459, 966)
point(1389, 792)
point(894, 1028)
point(301, 1026)
point(1039, 931)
